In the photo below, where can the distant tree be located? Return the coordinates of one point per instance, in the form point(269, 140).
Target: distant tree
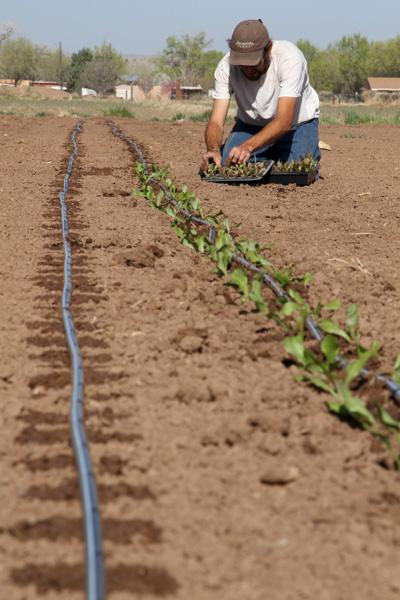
point(323, 67)
point(100, 74)
point(74, 73)
point(393, 57)
point(18, 59)
point(308, 49)
point(104, 70)
point(207, 66)
point(324, 71)
point(377, 65)
point(106, 52)
point(384, 58)
point(186, 60)
point(353, 59)
point(145, 72)
point(53, 65)
point(6, 31)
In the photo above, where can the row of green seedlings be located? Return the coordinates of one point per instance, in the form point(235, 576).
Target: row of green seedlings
point(320, 364)
point(249, 169)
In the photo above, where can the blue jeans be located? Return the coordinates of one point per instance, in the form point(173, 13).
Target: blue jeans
point(294, 145)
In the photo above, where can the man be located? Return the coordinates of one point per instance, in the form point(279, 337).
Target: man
point(277, 109)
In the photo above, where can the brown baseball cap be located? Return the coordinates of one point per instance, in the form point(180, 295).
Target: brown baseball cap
point(249, 38)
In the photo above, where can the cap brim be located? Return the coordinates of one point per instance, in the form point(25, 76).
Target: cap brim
point(245, 59)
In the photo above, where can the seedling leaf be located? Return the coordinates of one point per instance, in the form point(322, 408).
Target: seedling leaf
point(333, 328)
point(330, 348)
point(295, 346)
point(333, 305)
point(352, 321)
point(239, 279)
point(350, 406)
point(396, 370)
point(354, 368)
point(387, 419)
point(256, 295)
point(296, 297)
point(288, 309)
point(357, 409)
point(322, 385)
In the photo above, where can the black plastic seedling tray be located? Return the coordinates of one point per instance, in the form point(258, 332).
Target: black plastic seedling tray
point(266, 175)
point(297, 178)
point(256, 180)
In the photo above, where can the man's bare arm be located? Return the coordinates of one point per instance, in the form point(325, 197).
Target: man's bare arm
point(214, 133)
point(281, 124)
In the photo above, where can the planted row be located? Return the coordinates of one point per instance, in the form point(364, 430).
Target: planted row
point(320, 365)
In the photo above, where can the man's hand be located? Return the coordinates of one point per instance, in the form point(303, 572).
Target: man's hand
point(214, 133)
point(212, 156)
point(239, 154)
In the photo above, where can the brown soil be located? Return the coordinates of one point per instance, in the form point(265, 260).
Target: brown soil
point(219, 476)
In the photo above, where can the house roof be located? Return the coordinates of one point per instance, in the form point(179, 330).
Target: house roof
point(384, 84)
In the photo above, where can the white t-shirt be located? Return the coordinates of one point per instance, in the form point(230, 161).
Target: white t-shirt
point(258, 100)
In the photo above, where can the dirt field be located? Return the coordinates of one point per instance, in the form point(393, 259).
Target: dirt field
point(219, 476)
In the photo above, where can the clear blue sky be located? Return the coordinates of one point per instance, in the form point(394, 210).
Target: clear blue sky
point(134, 27)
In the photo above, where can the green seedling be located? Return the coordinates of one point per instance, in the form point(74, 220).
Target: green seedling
point(304, 165)
point(350, 332)
point(250, 287)
point(222, 250)
point(396, 370)
point(251, 250)
point(295, 311)
point(286, 278)
point(249, 169)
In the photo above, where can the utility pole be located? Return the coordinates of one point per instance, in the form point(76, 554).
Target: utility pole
point(60, 66)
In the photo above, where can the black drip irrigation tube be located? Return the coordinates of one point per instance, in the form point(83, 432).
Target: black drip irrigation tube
point(311, 325)
point(95, 589)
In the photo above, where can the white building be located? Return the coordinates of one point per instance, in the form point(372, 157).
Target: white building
point(130, 92)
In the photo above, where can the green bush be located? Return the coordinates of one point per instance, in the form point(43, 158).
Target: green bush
point(353, 118)
point(119, 111)
point(179, 116)
point(204, 116)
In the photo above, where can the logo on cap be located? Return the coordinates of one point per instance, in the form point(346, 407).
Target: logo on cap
point(244, 44)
